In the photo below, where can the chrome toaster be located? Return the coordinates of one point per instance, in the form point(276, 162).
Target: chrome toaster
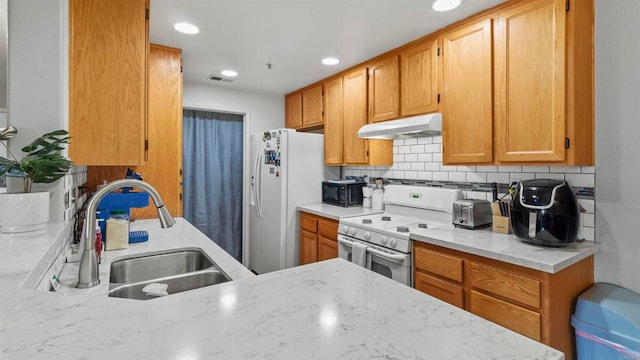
point(472, 213)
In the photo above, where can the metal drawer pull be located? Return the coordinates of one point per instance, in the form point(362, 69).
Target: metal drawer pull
point(392, 257)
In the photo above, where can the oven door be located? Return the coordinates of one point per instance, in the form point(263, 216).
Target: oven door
point(345, 249)
point(392, 264)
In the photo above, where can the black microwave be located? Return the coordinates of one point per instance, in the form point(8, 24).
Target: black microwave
point(343, 194)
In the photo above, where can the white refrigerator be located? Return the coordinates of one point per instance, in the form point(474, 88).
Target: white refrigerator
point(288, 170)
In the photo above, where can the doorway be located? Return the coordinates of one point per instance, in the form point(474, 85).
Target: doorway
point(213, 176)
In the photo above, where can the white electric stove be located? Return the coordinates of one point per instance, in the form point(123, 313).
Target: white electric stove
point(381, 242)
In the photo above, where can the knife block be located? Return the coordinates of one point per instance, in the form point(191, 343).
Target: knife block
point(501, 224)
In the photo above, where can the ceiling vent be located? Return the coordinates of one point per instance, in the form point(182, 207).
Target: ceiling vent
point(219, 78)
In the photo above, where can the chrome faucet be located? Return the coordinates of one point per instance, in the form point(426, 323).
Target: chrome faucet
point(89, 276)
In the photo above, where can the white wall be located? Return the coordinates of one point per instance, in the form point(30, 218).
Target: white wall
point(262, 112)
point(37, 77)
point(617, 59)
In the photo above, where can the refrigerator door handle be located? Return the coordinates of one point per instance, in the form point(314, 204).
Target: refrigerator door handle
point(256, 184)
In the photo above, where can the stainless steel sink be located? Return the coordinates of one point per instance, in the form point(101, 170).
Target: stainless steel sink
point(179, 269)
point(175, 284)
point(155, 265)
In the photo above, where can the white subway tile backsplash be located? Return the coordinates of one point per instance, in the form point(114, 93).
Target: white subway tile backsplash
point(410, 141)
point(448, 168)
point(425, 157)
point(398, 158)
point(398, 142)
point(432, 166)
point(425, 140)
point(404, 166)
point(441, 176)
point(425, 175)
point(417, 149)
point(502, 178)
point(487, 168)
point(404, 149)
point(437, 157)
point(397, 174)
point(585, 180)
point(433, 148)
point(521, 176)
point(395, 149)
point(467, 168)
point(410, 174)
point(417, 166)
point(457, 176)
point(565, 169)
point(535, 169)
point(510, 169)
point(411, 158)
point(437, 139)
point(588, 205)
point(476, 177)
point(588, 220)
point(589, 233)
point(549, 176)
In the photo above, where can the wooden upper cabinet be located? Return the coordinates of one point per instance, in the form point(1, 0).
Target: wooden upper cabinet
point(354, 95)
point(293, 111)
point(384, 90)
point(333, 134)
point(530, 81)
point(312, 106)
point(467, 94)
point(419, 79)
point(107, 81)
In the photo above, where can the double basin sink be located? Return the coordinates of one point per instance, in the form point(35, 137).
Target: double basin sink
point(150, 275)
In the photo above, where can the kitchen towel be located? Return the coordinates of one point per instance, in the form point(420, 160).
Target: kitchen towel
point(359, 255)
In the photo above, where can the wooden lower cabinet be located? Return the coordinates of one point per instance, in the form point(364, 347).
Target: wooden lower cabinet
point(531, 302)
point(318, 238)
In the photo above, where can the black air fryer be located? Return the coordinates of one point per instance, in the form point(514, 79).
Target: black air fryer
point(545, 212)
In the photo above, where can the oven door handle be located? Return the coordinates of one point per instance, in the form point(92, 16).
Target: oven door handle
point(345, 242)
point(392, 257)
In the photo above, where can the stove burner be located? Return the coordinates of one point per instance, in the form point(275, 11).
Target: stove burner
point(422, 226)
point(402, 229)
point(367, 221)
point(386, 218)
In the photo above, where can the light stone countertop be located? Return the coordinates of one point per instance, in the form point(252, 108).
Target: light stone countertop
point(506, 248)
point(327, 310)
point(337, 212)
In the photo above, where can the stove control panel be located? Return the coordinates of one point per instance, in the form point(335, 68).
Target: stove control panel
point(371, 236)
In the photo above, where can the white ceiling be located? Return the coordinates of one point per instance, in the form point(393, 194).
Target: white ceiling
point(292, 35)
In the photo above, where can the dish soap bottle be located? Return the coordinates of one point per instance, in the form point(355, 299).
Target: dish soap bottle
point(377, 195)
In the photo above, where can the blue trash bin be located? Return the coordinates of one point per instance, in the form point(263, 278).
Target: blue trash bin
point(607, 323)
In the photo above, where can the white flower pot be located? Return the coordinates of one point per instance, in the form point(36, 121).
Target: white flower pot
point(24, 212)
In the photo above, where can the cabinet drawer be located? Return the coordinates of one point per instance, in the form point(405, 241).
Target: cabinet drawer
point(445, 291)
point(328, 228)
point(437, 263)
point(508, 285)
point(308, 222)
point(516, 318)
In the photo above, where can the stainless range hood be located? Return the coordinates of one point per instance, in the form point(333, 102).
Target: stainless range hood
point(417, 126)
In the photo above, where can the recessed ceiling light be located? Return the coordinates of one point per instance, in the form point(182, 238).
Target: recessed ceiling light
point(186, 28)
point(445, 5)
point(330, 61)
point(229, 73)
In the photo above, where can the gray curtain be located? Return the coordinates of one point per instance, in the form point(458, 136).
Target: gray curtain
point(212, 176)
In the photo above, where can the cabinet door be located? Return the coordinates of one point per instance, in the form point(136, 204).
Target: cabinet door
point(354, 87)
point(293, 111)
point(467, 135)
point(107, 81)
point(327, 248)
point(384, 90)
point(164, 162)
point(333, 122)
point(312, 107)
point(530, 81)
point(308, 247)
point(419, 79)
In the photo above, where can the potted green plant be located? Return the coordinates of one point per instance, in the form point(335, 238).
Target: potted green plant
point(42, 163)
